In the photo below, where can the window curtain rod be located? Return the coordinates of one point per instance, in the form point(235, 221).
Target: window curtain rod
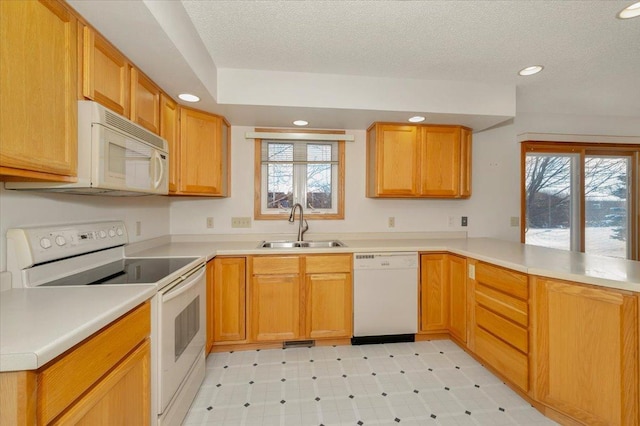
point(299, 136)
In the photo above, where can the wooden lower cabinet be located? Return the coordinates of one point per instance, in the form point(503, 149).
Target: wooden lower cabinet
point(227, 315)
point(117, 399)
point(457, 266)
point(301, 297)
point(500, 318)
point(586, 346)
point(434, 292)
point(443, 294)
point(275, 298)
point(103, 380)
point(329, 296)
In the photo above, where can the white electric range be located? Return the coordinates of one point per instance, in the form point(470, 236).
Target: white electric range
point(92, 254)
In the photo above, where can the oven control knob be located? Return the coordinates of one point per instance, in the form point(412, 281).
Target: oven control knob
point(60, 240)
point(45, 243)
point(102, 234)
point(120, 232)
point(112, 233)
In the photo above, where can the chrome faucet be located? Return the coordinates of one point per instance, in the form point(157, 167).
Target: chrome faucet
point(292, 218)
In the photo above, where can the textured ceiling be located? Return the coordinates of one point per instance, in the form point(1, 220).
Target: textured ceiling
point(591, 58)
point(584, 48)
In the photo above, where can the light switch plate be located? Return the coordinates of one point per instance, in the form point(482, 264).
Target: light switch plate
point(472, 272)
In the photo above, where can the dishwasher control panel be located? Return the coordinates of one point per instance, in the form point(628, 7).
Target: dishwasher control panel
point(385, 260)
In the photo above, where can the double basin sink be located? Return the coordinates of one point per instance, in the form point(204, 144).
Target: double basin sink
point(301, 244)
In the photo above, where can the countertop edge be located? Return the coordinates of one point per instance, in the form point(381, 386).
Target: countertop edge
point(41, 356)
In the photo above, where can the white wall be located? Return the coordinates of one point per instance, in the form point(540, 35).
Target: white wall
point(21, 208)
point(494, 198)
point(495, 177)
point(496, 193)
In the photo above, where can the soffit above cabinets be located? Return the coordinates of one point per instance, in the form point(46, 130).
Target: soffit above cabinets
point(263, 63)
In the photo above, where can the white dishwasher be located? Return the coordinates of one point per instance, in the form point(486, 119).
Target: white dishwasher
point(385, 299)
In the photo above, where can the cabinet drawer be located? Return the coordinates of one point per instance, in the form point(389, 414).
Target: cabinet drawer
point(272, 265)
point(64, 380)
point(503, 328)
point(328, 263)
point(514, 309)
point(505, 280)
point(513, 364)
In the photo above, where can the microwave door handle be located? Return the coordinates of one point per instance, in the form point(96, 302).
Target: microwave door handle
point(159, 170)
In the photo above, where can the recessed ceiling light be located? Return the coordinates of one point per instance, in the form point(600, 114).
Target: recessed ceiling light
point(300, 123)
point(188, 97)
point(535, 69)
point(417, 119)
point(630, 11)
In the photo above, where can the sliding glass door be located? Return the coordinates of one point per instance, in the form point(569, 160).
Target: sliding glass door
point(607, 190)
point(581, 198)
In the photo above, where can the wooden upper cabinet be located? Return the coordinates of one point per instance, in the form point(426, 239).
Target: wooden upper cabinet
point(106, 73)
point(203, 154)
point(170, 130)
point(38, 65)
point(440, 161)
point(465, 162)
point(145, 101)
point(393, 160)
point(418, 161)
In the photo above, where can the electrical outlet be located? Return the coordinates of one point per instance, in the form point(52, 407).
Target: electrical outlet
point(209, 222)
point(515, 221)
point(392, 222)
point(138, 228)
point(241, 222)
point(450, 221)
point(464, 221)
point(472, 272)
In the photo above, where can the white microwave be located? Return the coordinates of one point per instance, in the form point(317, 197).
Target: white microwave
point(115, 157)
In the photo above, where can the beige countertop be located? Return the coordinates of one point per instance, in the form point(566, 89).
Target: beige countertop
point(561, 264)
point(38, 324)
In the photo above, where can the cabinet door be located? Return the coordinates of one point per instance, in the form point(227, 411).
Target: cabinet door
point(587, 352)
point(458, 297)
point(38, 64)
point(397, 164)
point(329, 305)
point(275, 307)
point(465, 163)
point(229, 299)
point(122, 397)
point(105, 74)
point(145, 102)
point(169, 129)
point(203, 154)
point(440, 162)
point(434, 299)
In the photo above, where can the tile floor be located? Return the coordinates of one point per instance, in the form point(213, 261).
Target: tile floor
point(421, 383)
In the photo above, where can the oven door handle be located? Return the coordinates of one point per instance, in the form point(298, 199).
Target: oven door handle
point(185, 285)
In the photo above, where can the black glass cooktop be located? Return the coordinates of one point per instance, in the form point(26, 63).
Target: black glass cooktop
point(126, 271)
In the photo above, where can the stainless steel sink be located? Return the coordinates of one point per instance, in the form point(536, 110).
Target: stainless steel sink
point(301, 244)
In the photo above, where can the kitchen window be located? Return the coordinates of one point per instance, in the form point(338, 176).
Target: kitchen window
point(299, 171)
point(581, 197)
